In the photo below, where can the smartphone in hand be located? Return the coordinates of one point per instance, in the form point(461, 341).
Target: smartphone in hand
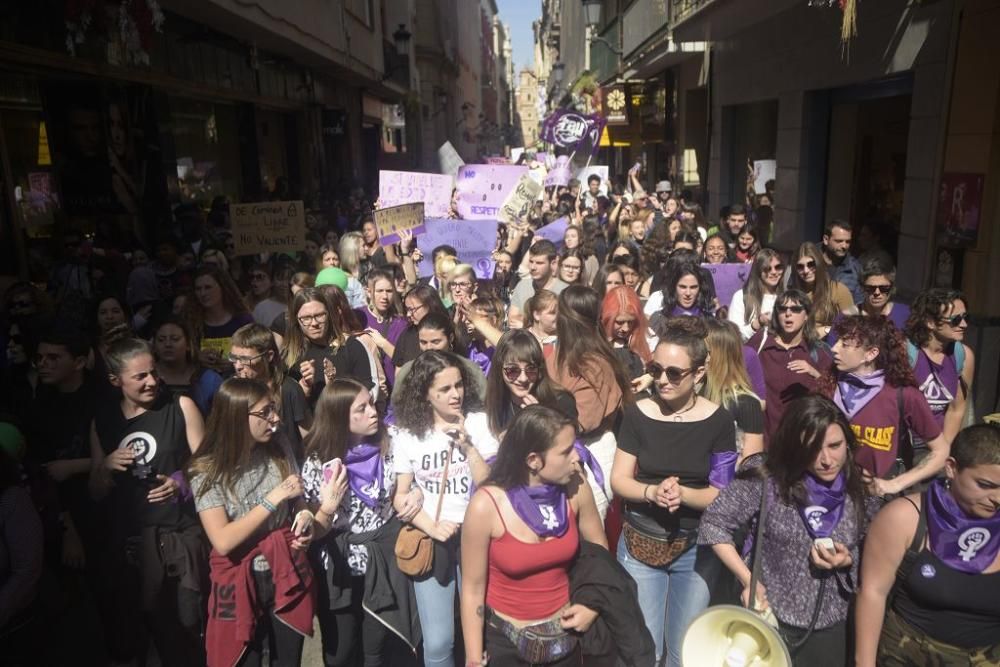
point(331, 469)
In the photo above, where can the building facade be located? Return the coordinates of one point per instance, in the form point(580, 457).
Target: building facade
point(113, 115)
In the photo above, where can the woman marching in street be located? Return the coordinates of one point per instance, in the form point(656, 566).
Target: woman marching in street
point(255, 356)
point(383, 316)
point(874, 387)
point(676, 450)
point(931, 568)
point(585, 364)
point(178, 365)
point(815, 517)
point(625, 325)
point(441, 444)
point(791, 354)
point(829, 298)
point(727, 383)
point(942, 363)
point(247, 491)
point(751, 306)
point(350, 618)
point(155, 561)
point(523, 531)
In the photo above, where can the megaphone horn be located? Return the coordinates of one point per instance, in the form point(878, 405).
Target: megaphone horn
point(731, 636)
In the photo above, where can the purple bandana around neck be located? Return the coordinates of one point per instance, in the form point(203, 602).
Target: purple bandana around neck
point(963, 543)
point(824, 505)
point(588, 461)
point(855, 392)
point(364, 472)
point(689, 312)
point(543, 508)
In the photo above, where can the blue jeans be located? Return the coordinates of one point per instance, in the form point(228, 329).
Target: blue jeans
point(670, 597)
point(436, 608)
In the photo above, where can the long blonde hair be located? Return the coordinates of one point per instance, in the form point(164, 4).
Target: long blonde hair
point(226, 451)
point(726, 376)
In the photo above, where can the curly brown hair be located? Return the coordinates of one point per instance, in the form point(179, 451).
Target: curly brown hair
point(874, 332)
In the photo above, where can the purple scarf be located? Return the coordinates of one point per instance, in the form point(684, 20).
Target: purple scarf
point(824, 505)
point(722, 469)
point(689, 312)
point(588, 460)
point(963, 543)
point(855, 392)
point(543, 508)
point(364, 472)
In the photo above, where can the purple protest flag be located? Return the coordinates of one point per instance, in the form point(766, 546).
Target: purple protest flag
point(569, 129)
point(482, 188)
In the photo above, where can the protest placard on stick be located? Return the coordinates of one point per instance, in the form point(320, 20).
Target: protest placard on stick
point(520, 200)
point(271, 226)
point(482, 189)
point(474, 240)
point(405, 217)
point(409, 187)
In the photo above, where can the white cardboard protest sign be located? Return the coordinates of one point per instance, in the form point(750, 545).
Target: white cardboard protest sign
point(449, 160)
point(519, 200)
point(763, 171)
point(409, 187)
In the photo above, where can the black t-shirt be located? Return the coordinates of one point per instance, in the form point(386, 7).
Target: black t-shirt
point(748, 414)
point(565, 403)
point(674, 449)
point(294, 411)
point(631, 361)
point(407, 347)
point(158, 437)
point(350, 359)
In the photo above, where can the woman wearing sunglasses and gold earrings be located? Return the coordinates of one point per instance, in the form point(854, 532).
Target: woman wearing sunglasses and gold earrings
point(942, 363)
point(676, 450)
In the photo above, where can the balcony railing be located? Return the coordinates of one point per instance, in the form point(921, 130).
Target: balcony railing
point(681, 10)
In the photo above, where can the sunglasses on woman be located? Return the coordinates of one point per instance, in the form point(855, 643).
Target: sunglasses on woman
point(674, 374)
point(955, 320)
point(877, 289)
point(807, 265)
point(513, 372)
point(791, 309)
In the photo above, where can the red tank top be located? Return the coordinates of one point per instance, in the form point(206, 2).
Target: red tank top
point(530, 581)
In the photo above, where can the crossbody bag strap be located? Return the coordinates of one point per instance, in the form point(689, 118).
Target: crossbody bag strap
point(444, 482)
point(758, 543)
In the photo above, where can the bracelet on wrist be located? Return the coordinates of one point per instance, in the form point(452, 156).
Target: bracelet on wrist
point(268, 505)
point(645, 494)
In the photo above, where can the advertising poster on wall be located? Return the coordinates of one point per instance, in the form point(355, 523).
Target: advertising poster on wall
point(959, 207)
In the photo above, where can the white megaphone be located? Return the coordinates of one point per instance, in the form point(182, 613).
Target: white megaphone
point(731, 636)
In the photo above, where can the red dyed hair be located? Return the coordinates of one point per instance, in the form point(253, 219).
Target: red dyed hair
point(624, 300)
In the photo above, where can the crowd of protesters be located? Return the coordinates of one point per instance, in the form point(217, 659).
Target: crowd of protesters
point(206, 458)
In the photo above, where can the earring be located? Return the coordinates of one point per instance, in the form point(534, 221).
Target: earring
point(947, 483)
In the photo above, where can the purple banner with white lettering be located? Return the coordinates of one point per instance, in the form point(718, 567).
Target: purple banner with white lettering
point(482, 189)
point(569, 129)
point(475, 241)
point(728, 279)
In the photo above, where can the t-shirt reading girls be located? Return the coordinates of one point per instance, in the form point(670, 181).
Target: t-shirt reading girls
point(425, 459)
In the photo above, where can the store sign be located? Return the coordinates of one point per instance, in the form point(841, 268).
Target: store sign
point(475, 241)
point(615, 105)
point(407, 187)
point(519, 201)
point(395, 219)
point(272, 226)
point(483, 188)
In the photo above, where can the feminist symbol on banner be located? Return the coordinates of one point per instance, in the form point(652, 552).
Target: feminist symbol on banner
point(569, 129)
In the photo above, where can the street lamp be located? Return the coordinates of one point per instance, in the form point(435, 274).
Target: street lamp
point(401, 38)
point(592, 17)
point(592, 12)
